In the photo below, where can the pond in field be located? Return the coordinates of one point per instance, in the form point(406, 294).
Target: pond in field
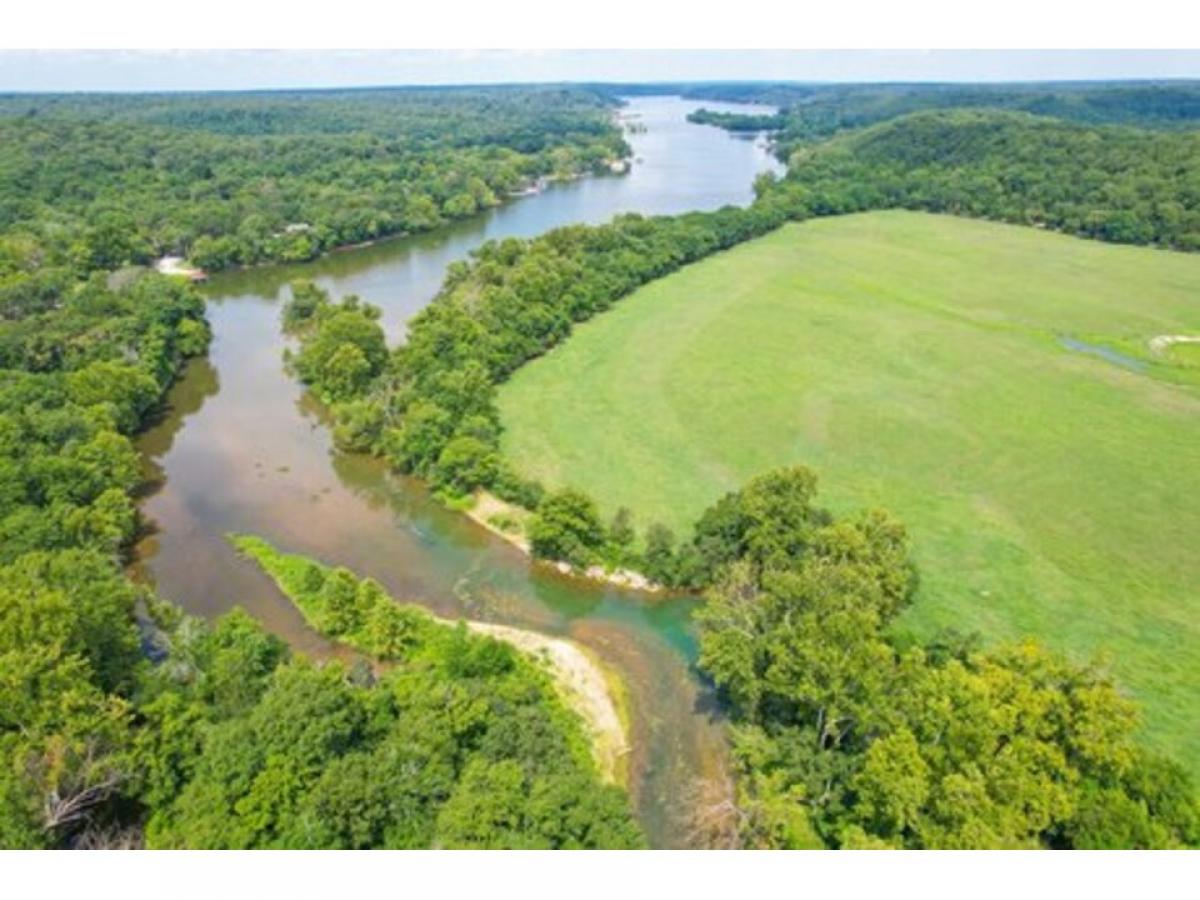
point(244, 449)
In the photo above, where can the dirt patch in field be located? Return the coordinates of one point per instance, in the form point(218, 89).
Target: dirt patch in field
point(1162, 342)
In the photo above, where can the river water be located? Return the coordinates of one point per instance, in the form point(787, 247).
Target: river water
point(244, 449)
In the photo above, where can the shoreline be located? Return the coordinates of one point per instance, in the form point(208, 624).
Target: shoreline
point(486, 507)
point(532, 190)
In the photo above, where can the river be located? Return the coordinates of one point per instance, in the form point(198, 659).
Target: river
point(243, 448)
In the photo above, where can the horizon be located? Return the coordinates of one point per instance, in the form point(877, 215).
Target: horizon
point(586, 83)
point(242, 71)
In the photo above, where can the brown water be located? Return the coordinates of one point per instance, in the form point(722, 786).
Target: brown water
point(244, 449)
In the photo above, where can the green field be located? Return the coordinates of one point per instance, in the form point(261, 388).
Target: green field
point(916, 362)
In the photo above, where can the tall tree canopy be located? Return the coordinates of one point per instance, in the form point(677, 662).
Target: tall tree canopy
point(847, 736)
point(100, 181)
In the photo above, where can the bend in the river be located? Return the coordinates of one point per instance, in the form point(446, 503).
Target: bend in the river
point(244, 449)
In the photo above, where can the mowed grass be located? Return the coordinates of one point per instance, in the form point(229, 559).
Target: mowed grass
point(915, 363)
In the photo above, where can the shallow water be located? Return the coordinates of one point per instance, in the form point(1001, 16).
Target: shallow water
point(243, 448)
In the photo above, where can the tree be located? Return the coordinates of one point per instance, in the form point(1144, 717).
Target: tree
point(659, 563)
point(621, 533)
point(487, 809)
point(566, 527)
point(418, 442)
point(125, 389)
point(392, 631)
point(466, 463)
point(342, 613)
point(344, 374)
point(343, 350)
point(306, 298)
point(892, 787)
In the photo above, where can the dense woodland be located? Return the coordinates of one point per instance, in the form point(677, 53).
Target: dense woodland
point(1054, 162)
point(81, 370)
point(236, 179)
point(1058, 160)
point(124, 724)
point(459, 742)
point(1111, 183)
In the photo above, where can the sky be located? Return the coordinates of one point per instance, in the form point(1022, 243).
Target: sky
point(147, 70)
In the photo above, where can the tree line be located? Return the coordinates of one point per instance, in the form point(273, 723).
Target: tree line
point(809, 113)
point(428, 406)
point(732, 121)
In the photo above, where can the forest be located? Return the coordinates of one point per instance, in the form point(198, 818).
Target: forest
point(1111, 183)
point(128, 724)
point(124, 723)
point(1051, 156)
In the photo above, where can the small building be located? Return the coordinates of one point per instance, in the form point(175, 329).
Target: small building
point(176, 265)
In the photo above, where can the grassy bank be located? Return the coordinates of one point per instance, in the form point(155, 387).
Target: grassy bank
point(918, 362)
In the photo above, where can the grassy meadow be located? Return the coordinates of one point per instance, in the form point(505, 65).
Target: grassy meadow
point(920, 363)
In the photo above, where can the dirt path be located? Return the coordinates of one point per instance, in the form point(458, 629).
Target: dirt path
point(583, 686)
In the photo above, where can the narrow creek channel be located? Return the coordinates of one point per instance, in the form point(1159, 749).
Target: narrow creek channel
point(243, 448)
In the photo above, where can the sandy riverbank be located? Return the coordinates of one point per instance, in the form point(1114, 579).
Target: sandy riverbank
point(508, 521)
point(582, 685)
